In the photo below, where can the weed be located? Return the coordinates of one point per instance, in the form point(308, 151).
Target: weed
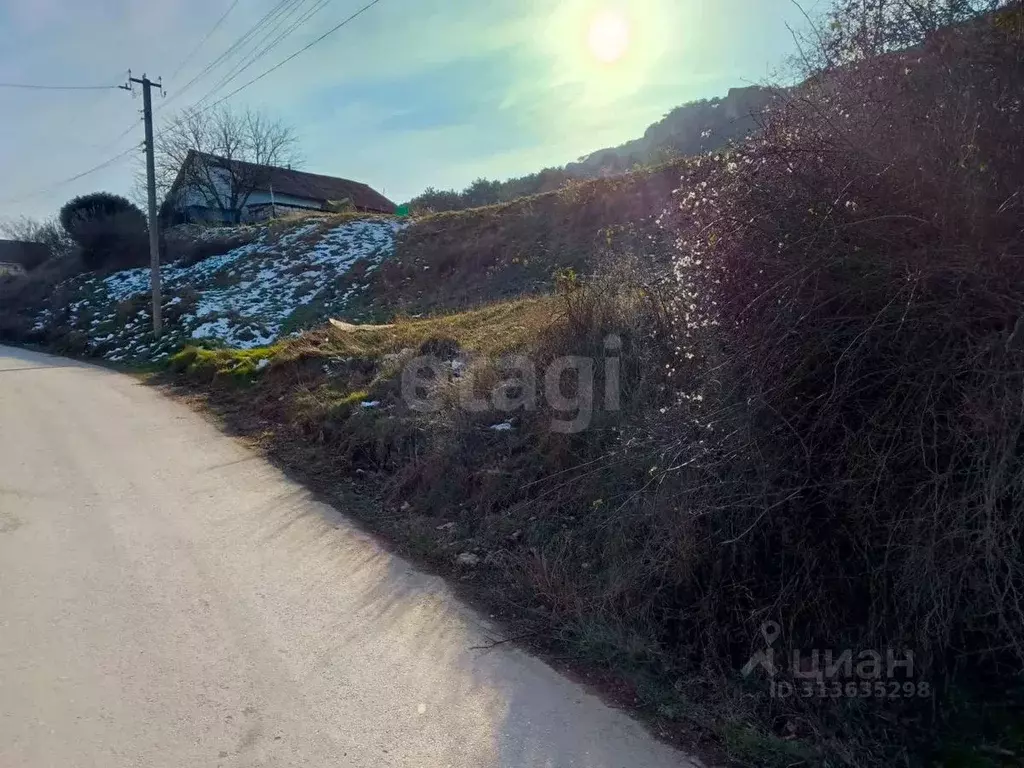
point(749, 745)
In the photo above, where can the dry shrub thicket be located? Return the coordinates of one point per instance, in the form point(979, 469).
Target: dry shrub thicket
point(22, 296)
point(838, 446)
point(851, 311)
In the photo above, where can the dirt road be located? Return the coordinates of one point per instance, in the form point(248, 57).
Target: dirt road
point(167, 598)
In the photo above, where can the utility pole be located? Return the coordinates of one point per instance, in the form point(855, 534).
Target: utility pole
point(154, 226)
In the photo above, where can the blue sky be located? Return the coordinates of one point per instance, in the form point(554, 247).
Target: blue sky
point(412, 93)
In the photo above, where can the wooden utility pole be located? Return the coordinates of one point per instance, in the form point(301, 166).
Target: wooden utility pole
point(154, 225)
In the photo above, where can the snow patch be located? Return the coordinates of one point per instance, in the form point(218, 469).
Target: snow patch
point(242, 298)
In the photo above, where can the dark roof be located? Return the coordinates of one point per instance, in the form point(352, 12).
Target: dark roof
point(28, 255)
point(313, 186)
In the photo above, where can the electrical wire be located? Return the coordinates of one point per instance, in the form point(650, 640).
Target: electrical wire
point(57, 184)
point(125, 132)
point(226, 54)
point(302, 50)
point(315, 9)
point(110, 161)
point(99, 167)
point(30, 86)
point(202, 42)
point(257, 53)
point(283, 13)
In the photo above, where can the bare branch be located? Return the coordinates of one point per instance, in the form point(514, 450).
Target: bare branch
point(219, 157)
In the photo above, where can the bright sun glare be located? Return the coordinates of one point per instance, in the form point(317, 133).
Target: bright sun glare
point(608, 37)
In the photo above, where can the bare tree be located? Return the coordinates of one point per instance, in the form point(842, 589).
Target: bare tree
point(853, 30)
point(220, 156)
point(49, 232)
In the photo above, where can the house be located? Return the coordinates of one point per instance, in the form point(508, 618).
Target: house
point(209, 188)
point(19, 256)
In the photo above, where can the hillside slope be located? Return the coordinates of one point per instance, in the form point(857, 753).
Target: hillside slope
point(460, 259)
point(263, 283)
point(688, 130)
point(283, 279)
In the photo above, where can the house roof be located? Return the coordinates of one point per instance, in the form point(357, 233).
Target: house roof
point(313, 186)
point(28, 255)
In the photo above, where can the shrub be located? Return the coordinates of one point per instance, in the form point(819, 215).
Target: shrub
point(22, 297)
point(48, 232)
point(109, 228)
point(849, 313)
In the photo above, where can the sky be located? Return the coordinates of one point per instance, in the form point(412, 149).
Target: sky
point(411, 94)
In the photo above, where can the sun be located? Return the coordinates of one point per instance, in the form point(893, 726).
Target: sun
point(608, 37)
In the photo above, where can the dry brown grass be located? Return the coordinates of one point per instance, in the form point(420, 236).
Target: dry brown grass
point(556, 519)
point(22, 297)
point(466, 258)
point(489, 330)
point(594, 544)
point(852, 470)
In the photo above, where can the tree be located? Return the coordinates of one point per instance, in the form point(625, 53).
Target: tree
point(49, 232)
point(220, 155)
point(432, 199)
point(853, 30)
point(481, 192)
point(110, 229)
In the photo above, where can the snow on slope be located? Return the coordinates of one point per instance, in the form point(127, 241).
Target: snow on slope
point(244, 298)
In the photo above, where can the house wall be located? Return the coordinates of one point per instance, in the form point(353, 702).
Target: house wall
point(196, 207)
point(260, 198)
point(264, 212)
point(258, 207)
point(202, 214)
point(193, 195)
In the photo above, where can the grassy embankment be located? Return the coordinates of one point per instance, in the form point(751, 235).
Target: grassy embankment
point(820, 425)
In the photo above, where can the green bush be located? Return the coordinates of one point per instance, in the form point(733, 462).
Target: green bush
point(110, 229)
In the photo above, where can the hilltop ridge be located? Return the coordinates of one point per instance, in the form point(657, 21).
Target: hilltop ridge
point(690, 129)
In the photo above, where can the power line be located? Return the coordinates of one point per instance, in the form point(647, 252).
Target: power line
point(226, 54)
point(266, 42)
point(256, 55)
point(302, 50)
point(274, 12)
point(99, 167)
point(240, 42)
point(206, 37)
point(312, 12)
point(42, 190)
point(246, 58)
point(30, 86)
point(125, 132)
